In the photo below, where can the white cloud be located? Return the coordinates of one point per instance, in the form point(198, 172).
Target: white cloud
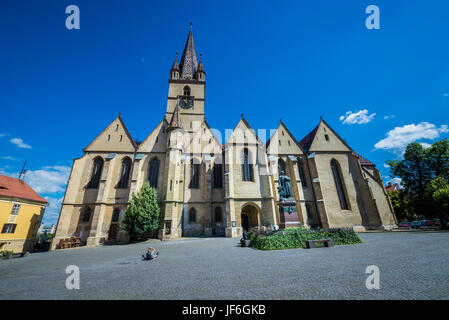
point(391, 116)
point(52, 211)
point(445, 95)
point(2, 135)
point(425, 145)
point(9, 158)
point(398, 138)
point(49, 179)
point(386, 166)
point(360, 117)
point(395, 180)
point(19, 143)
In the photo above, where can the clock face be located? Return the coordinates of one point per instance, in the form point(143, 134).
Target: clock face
point(186, 102)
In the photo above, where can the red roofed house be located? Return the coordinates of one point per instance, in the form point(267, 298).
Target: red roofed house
point(21, 212)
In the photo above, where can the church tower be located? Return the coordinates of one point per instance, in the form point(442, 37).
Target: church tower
point(187, 87)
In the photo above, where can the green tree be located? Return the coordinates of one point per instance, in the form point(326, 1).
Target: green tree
point(425, 176)
point(143, 214)
point(401, 205)
point(437, 192)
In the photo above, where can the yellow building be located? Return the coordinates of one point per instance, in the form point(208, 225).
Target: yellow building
point(21, 212)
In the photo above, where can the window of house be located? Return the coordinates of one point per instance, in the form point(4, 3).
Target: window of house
point(218, 176)
point(125, 173)
point(9, 228)
point(326, 137)
point(301, 173)
point(247, 166)
point(115, 215)
point(96, 173)
point(218, 215)
point(339, 184)
point(86, 215)
point(186, 91)
point(116, 128)
point(15, 208)
point(192, 215)
point(153, 171)
point(194, 175)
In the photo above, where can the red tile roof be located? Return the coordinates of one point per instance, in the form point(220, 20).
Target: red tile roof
point(16, 188)
point(363, 161)
point(392, 187)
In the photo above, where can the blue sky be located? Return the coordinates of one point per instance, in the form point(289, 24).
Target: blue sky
point(60, 88)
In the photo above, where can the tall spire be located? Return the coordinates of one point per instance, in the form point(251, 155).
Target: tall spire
point(189, 63)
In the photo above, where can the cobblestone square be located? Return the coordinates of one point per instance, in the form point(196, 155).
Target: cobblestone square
point(413, 265)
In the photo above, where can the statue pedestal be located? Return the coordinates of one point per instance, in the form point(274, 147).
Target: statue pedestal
point(288, 214)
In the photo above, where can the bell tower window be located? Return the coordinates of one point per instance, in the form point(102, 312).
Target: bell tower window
point(187, 91)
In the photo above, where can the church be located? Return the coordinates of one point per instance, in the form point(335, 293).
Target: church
point(207, 188)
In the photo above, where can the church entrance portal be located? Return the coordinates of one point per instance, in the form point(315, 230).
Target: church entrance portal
point(250, 217)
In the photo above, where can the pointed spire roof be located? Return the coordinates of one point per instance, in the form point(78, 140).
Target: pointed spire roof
point(175, 121)
point(189, 63)
point(200, 66)
point(175, 64)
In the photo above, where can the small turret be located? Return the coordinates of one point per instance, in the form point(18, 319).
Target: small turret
point(174, 72)
point(200, 74)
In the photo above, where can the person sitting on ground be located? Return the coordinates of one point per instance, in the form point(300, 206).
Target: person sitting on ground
point(151, 254)
point(242, 241)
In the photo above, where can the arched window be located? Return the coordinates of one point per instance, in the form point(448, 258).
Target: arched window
point(218, 176)
point(281, 166)
point(124, 173)
point(96, 173)
point(339, 184)
point(192, 215)
point(153, 172)
point(86, 215)
point(187, 91)
point(115, 214)
point(218, 215)
point(247, 166)
point(194, 175)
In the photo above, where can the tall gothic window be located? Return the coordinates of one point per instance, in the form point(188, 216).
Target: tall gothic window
point(218, 176)
point(339, 185)
point(124, 173)
point(115, 214)
point(281, 166)
point(96, 173)
point(194, 175)
point(247, 166)
point(192, 215)
point(86, 215)
point(302, 176)
point(218, 215)
point(153, 172)
point(186, 91)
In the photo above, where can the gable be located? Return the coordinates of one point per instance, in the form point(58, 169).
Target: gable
point(114, 138)
point(326, 139)
point(203, 140)
point(283, 142)
point(156, 141)
point(243, 133)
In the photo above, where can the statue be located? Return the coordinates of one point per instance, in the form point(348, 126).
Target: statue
point(284, 188)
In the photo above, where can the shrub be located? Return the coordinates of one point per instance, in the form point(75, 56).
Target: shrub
point(6, 253)
point(296, 238)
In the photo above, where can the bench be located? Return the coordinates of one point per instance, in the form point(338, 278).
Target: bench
point(310, 244)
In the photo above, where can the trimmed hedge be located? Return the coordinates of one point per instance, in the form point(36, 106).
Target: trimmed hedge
point(296, 238)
